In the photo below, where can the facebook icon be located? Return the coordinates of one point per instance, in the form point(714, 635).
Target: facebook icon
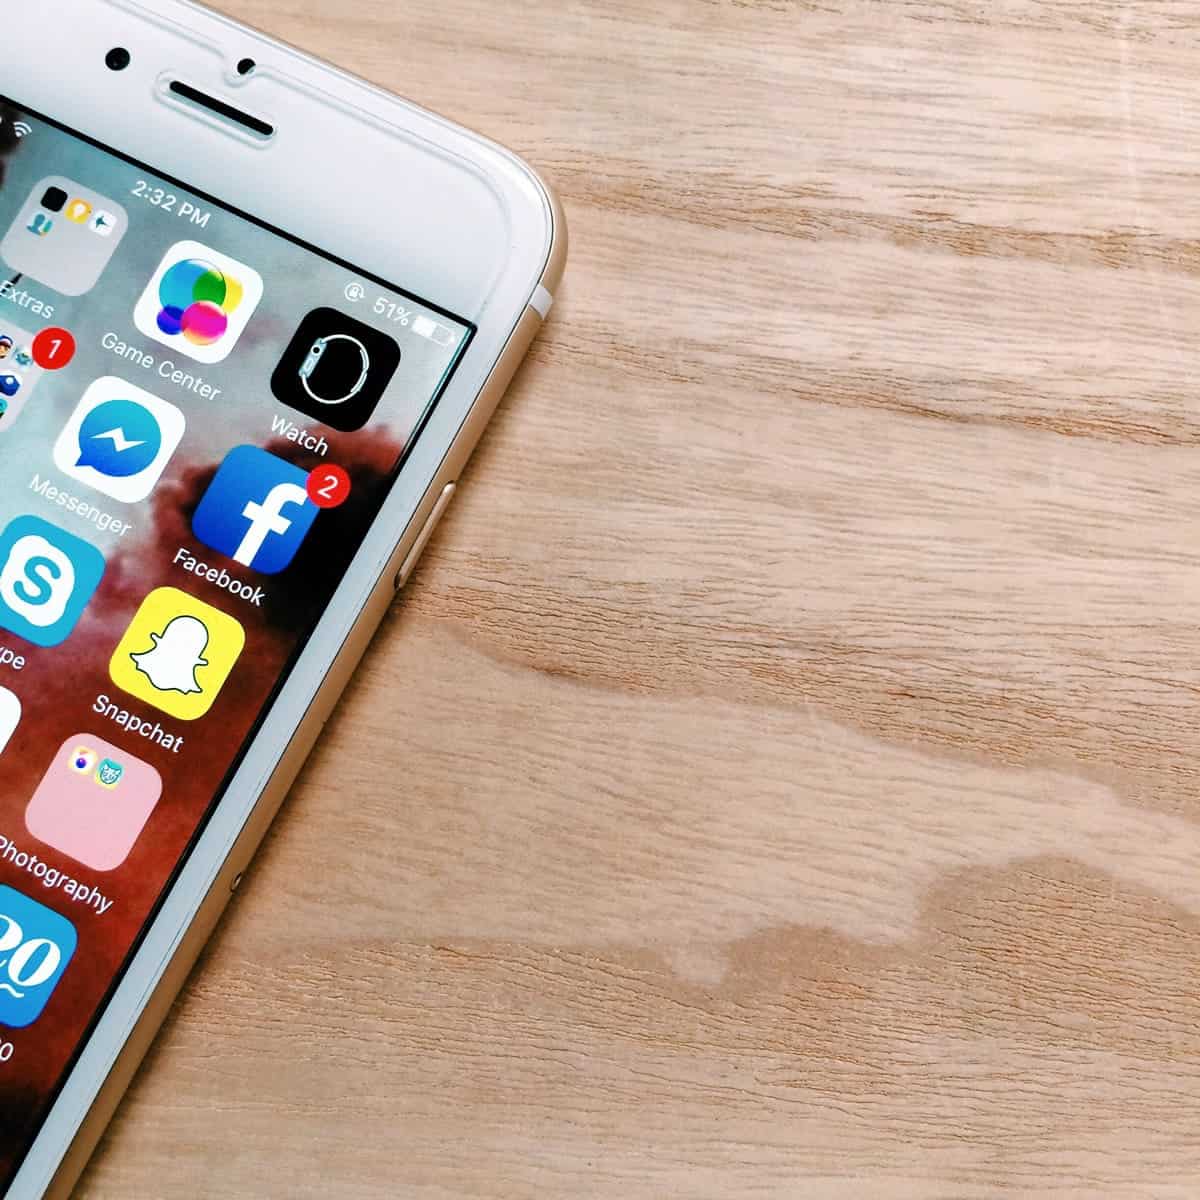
point(256, 510)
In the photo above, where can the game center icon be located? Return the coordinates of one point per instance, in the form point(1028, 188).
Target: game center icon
point(64, 235)
point(198, 302)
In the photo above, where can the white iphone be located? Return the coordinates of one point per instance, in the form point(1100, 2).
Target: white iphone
point(254, 315)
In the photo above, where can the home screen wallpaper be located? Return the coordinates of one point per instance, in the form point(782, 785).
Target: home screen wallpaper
point(199, 418)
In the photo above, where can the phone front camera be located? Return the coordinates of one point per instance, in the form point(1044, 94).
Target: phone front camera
point(117, 59)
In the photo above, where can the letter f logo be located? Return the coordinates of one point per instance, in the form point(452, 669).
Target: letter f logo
point(267, 518)
point(256, 510)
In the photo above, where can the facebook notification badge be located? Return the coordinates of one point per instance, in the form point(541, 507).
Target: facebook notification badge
point(257, 510)
point(119, 440)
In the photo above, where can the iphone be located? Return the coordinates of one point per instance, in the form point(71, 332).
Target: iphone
point(254, 315)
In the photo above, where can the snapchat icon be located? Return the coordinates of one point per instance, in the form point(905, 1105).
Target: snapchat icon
point(177, 653)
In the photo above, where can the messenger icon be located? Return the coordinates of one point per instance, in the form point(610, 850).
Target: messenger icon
point(119, 439)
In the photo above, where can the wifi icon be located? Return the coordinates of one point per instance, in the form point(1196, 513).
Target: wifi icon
point(21, 128)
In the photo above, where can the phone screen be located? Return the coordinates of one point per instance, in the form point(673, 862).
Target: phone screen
point(200, 416)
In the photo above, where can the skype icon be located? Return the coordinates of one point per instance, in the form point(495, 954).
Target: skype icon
point(47, 577)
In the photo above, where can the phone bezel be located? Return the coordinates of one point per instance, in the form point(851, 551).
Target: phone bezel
point(460, 266)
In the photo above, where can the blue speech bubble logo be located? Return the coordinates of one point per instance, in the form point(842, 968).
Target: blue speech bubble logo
point(119, 438)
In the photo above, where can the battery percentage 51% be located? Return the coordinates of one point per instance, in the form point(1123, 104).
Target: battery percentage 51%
point(393, 311)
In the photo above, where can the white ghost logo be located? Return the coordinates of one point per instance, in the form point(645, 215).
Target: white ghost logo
point(178, 652)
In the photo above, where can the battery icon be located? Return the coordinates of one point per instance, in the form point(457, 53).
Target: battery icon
point(425, 327)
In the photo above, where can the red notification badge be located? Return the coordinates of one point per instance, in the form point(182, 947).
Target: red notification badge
point(53, 348)
point(328, 486)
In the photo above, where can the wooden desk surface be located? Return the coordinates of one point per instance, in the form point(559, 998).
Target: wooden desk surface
point(780, 778)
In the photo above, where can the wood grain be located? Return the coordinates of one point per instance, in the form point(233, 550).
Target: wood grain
point(780, 778)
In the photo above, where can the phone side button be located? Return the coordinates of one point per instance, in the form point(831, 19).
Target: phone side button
point(439, 508)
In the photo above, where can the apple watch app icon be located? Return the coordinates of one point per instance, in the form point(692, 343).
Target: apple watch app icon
point(335, 369)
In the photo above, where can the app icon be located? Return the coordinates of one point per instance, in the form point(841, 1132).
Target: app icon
point(335, 369)
point(53, 239)
point(177, 653)
point(256, 510)
point(119, 439)
point(47, 577)
point(36, 944)
point(19, 372)
point(81, 760)
point(54, 199)
point(103, 222)
point(78, 210)
point(10, 716)
point(93, 802)
point(198, 301)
